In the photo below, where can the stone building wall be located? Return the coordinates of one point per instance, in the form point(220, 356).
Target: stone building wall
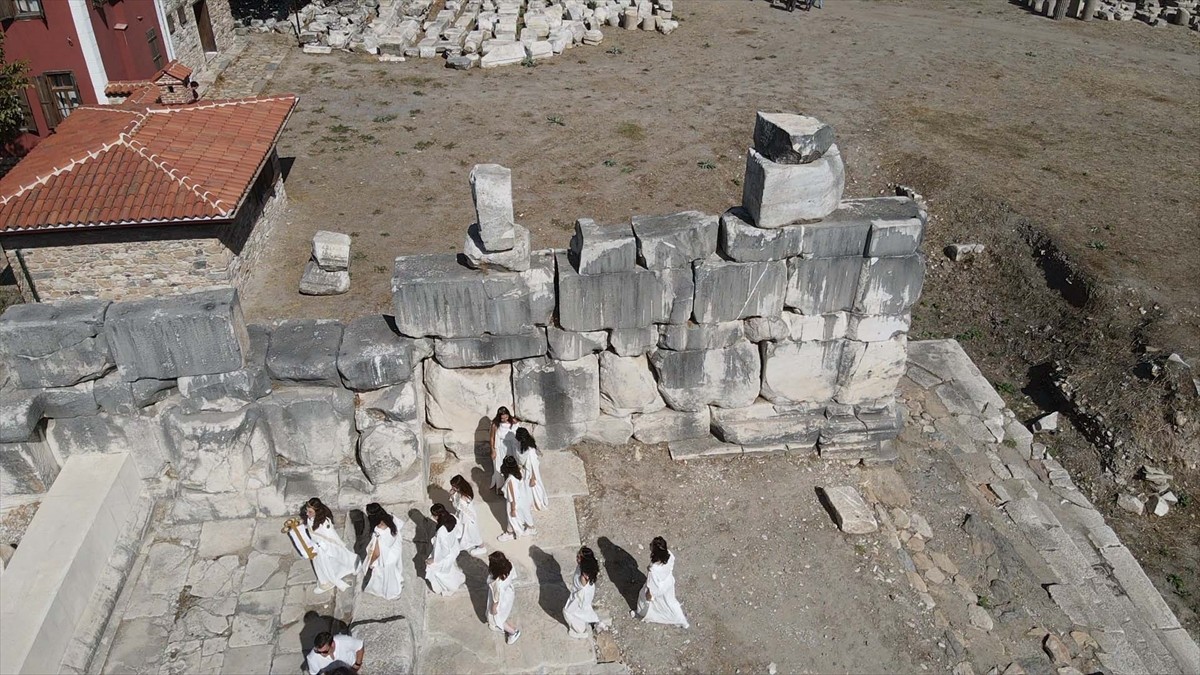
point(181, 26)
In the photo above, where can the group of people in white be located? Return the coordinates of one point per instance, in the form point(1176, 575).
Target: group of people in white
point(516, 474)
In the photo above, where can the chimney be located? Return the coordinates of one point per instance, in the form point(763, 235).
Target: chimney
point(175, 84)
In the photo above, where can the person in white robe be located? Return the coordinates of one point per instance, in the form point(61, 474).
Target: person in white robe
point(384, 555)
point(501, 597)
point(462, 500)
point(516, 502)
point(531, 469)
point(504, 427)
point(657, 602)
point(441, 569)
point(579, 613)
point(333, 559)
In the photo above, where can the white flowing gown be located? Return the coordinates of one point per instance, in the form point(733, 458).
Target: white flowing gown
point(503, 444)
point(579, 612)
point(531, 472)
point(443, 573)
point(387, 576)
point(468, 520)
point(333, 560)
point(662, 607)
point(515, 492)
point(501, 597)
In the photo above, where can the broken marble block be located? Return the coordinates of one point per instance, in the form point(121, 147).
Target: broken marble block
point(305, 351)
point(331, 250)
point(436, 296)
point(488, 350)
point(890, 285)
point(839, 234)
point(164, 338)
point(374, 355)
point(806, 327)
point(388, 451)
point(897, 225)
point(877, 327)
point(317, 281)
point(119, 397)
point(313, 426)
point(491, 188)
point(568, 345)
point(67, 402)
point(823, 285)
point(550, 392)
point(627, 386)
point(216, 452)
point(27, 468)
point(730, 291)
point(690, 336)
point(667, 425)
point(848, 509)
point(871, 371)
point(513, 259)
point(633, 341)
point(780, 194)
point(675, 240)
point(727, 378)
point(591, 302)
point(791, 139)
point(464, 400)
point(764, 424)
point(20, 412)
point(680, 287)
point(502, 55)
point(744, 242)
point(800, 372)
point(54, 344)
point(599, 249)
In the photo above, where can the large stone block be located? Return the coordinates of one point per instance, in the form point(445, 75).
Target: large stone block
point(764, 424)
point(690, 336)
point(305, 351)
point(668, 425)
point(609, 430)
point(488, 350)
point(766, 329)
point(139, 435)
point(215, 452)
point(890, 285)
point(627, 386)
point(312, 426)
point(118, 397)
point(743, 241)
point(675, 240)
point(897, 225)
point(839, 234)
point(54, 344)
point(403, 403)
point(729, 291)
point(317, 281)
point(780, 194)
point(373, 354)
point(597, 249)
point(680, 289)
point(20, 412)
point(27, 467)
point(389, 451)
point(435, 295)
point(808, 327)
point(64, 402)
point(823, 286)
point(195, 334)
point(465, 399)
point(552, 392)
point(633, 341)
point(791, 139)
point(540, 289)
point(609, 301)
point(877, 327)
point(513, 259)
point(800, 372)
point(728, 378)
point(331, 250)
point(568, 345)
point(226, 392)
point(491, 188)
point(871, 370)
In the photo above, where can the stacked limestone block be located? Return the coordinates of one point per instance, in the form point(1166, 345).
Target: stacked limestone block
point(328, 269)
point(238, 420)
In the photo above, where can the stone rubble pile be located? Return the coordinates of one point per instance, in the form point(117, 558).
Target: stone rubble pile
point(328, 270)
point(1153, 12)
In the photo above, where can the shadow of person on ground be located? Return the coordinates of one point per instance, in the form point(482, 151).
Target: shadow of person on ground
point(477, 574)
point(552, 589)
point(362, 537)
point(422, 536)
point(482, 478)
point(622, 569)
point(315, 623)
point(438, 495)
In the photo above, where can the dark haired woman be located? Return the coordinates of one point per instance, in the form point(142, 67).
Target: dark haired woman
point(441, 569)
point(657, 603)
point(504, 425)
point(516, 502)
point(579, 613)
point(384, 554)
point(462, 500)
point(501, 597)
point(333, 560)
point(531, 470)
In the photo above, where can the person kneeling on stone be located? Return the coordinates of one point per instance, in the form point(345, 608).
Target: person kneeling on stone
point(330, 651)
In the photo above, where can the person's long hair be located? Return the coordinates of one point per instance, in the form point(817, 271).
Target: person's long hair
point(499, 565)
point(376, 515)
point(443, 517)
point(525, 440)
point(464, 488)
point(588, 565)
point(658, 551)
point(322, 512)
point(502, 410)
point(509, 467)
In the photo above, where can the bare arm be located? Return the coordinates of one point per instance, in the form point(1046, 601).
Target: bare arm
point(358, 657)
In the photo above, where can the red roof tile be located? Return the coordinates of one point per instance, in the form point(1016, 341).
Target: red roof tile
point(110, 165)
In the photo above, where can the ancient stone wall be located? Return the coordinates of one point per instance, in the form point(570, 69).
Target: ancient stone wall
point(185, 35)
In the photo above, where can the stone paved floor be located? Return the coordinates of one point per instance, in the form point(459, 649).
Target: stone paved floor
point(248, 68)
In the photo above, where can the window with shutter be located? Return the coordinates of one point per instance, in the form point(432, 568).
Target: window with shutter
point(29, 9)
point(46, 98)
point(155, 49)
point(28, 123)
point(64, 92)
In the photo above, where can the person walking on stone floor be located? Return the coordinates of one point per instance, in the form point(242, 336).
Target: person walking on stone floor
point(462, 500)
point(531, 469)
point(503, 443)
point(441, 569)
point(383, 564)
point(501, 597)
point(516, 502)
point(332, 560)
point(657, 602)
point(579, 613)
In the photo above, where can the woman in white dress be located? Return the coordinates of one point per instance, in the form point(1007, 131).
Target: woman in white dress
point(501, 597)
point(657, 603)
point(531, 469)
point(384, 555)
point(516, 502)
point(504, 425)
point(441, 569)
point(333, 560)
point(462, 500)
point(579, 612)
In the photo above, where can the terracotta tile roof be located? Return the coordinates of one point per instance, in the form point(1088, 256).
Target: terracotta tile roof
point(176, 70)
point(109, 165)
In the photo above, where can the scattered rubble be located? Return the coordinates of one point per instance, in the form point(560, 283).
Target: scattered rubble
point(1131, 504)
point(1152, 12)
point(328, 270)
point(1046, 423)
point(961, 252)
point(849, 510)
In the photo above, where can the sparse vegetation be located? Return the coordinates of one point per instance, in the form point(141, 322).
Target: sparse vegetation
point(631, 131)
point(556, 120)
point(382, 119)
point(424, 145)
point(706, 165)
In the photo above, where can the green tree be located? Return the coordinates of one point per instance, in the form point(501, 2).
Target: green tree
point(14, 77)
